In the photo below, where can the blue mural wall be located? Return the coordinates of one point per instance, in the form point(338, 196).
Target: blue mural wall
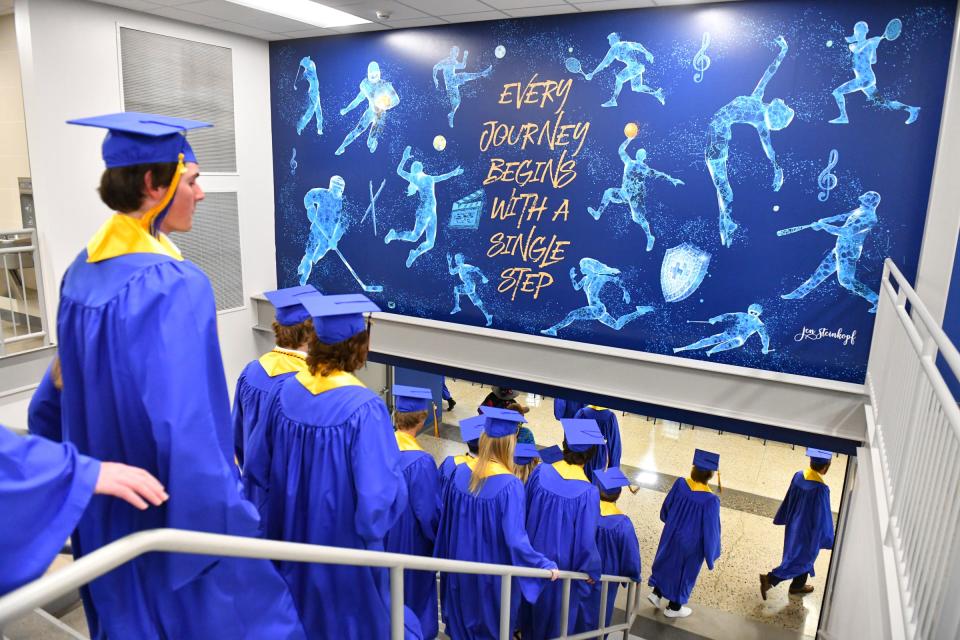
point(718, 182)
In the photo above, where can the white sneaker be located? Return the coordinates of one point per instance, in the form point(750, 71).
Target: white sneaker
point(654, 600)
point(683, 613)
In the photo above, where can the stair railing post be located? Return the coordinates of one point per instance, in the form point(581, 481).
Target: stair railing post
point(396, 603)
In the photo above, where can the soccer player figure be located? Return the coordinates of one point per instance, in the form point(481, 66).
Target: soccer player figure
point(864, 79)
point(426, 220)
point(468, 277)
point(805, 512)
point(745, 325)
point(762, 116)
point(381, 97)
point(633, 190)
point(843, 258)
point(631, 54)
point(453, 79)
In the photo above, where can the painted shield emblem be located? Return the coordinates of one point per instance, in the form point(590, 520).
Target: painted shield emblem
point(684, 268)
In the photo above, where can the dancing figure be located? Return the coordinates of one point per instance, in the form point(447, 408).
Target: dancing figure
point(595, 276)
point(762, 116)
point(452, 80)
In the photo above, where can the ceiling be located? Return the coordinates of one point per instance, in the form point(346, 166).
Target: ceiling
point(226, 16)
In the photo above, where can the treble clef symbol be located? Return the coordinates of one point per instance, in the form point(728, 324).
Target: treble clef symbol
point(701, 62)
point(293, 162)
point(826, 180)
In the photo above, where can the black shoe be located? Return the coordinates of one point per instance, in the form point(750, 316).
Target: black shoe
point(451, 403)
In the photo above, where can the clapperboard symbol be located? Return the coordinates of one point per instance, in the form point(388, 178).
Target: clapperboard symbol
point(466, 211)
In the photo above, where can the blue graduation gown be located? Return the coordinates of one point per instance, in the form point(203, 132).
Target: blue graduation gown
point(43, 414)
point(608, 456)
point(448, 466)
point(330, 468)
point(484, 527)
point(144, 385)
point(562, 518)
point(44, 488)
point(809, 526)
point(691, 536)
point(566, 408)
point(619, 556)
point(416, 530)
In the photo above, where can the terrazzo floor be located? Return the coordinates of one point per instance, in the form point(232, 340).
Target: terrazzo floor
point(755, 476)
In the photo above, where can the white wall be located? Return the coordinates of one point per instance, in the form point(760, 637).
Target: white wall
point(70, 64)
point(13, 133)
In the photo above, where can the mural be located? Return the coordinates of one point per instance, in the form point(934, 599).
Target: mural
point(563, 157)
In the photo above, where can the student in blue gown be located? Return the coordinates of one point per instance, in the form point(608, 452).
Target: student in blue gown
point(563, 510)
point(44, 489)
point(416, 529)
point(617, 543)
point(566, 408)
point(806, 513)
point(144, 385)
point(691, 536)
point(291, 330)
point(525, 460)
point(482, 520)
point(325, 454)
point(551, 454)
point(609, 455)
point(43, 413)
point(470, 430)
point(447, 396)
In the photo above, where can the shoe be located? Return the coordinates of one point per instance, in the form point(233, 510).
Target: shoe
point(802, 591)
point(451, 403)
point(654, 600)
point(764, 585)
point(683, 613)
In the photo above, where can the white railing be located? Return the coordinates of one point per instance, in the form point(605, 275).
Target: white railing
point(916, 432)
point(22, 307)
point(42, 591)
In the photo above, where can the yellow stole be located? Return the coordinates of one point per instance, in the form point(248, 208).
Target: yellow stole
point(494, 468)
point(596, 408)
point(121, 235)
point(569, 471)
point(468, 460)
point(812, 476)
point(282, 361)
point(406, 442)
point(697, 486)
point(609, 509)
point(318, 384)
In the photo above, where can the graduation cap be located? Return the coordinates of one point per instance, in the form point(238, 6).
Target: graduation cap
point(143, 138)
point(611, 479)
point(288, 304)
point(706, 460)
point(819, 455)
point(412, 398)
point(525, 452)
point(501, 422)
point(551, 454)
point(471, 428)
point(582, 433)
point(339, 317)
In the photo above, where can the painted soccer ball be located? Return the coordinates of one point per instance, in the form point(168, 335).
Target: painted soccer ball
point(500, 51)
point(439, 143)
point(631, 130)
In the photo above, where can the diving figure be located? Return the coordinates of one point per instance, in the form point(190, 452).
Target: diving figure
point(631, 54)
point(452, 80)
point(426, 221)
point(381, 97)
point(864, 79)
point(468, 276)
point(762, 116)
point(633, 190)
point(595, 276)
point(313, 95)
point(842, 259)
point(745, 325)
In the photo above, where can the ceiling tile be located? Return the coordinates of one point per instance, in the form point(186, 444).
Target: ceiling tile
point(133, 5)
point(543, 11)
point(183, 16)
point(637, 4)
point(480, 15)
point(310, 33)
point(359, 28)
point(244, 30)
point(368, 9)
point(520, 4)
point(171, 3)
point(447, 7)
point(244, 15)
point(429, 21)
point(609, 5)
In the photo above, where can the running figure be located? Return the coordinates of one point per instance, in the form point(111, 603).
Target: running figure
point(842, 259)
point(762, 116)
point(595, 276)
point(633, 190)
point(629, 53)
point(453, 80)
point(864, 79)
point(426, 221)
point(468, 276)
point(745, 325)
point(313, 95)
point(380, 97)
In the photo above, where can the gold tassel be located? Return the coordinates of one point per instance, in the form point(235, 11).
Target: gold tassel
point(436, 426)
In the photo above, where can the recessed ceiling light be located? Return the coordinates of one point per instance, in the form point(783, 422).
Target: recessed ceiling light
point(305, 11)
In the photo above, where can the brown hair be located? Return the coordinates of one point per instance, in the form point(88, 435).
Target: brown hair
point(492, 449)
point(347, 355)
point(291, 337)
point(579, 458)
point(819, 467)
point(702, 476)
point(121, 188)
point(56, 373)
point(610, 496)
point(406, 420)
point(523, 471)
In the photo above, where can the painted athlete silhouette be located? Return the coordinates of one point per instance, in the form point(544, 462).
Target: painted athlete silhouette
point(453, 79)
point(744, 326)
point(469, 275)
point(313, 94)
point(381, 97)
point(631, 54)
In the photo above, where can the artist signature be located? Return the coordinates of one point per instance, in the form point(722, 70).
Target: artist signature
point(823, 332)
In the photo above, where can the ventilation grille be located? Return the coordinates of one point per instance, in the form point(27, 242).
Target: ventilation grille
point(184, 79)
point(214, 246)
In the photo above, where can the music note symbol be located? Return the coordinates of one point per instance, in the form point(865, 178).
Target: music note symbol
point(293, 162)
point(828, 181)
point(701, 62)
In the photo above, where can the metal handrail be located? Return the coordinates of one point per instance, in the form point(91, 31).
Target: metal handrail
point(95, 564)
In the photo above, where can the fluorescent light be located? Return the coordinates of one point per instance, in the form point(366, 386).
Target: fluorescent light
point(305, 11)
